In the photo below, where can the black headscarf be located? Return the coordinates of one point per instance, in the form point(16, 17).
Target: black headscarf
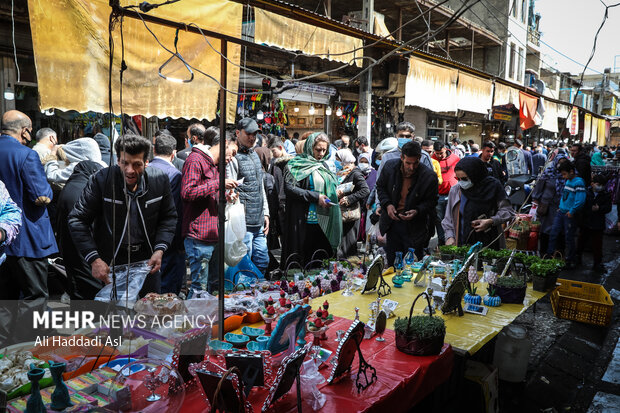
point(482, 199)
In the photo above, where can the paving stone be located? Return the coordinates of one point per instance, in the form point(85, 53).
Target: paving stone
point(612, 375)
point(580, 346)
point(605, 403)
point(568, 363)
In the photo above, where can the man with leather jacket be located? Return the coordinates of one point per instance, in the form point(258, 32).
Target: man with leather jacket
point(137, 201)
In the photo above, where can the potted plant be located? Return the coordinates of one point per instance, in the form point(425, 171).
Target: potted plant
point(511, 290)
point(448, 252)
point(492, 299)
point(545, 273)
point(420, 335)
point(501, 260)
point(471, 297)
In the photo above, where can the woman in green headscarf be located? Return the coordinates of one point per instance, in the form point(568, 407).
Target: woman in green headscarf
point(313, 219)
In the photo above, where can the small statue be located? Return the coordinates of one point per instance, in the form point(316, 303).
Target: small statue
point(60, 397)
point(357, 313)
point(35, 402)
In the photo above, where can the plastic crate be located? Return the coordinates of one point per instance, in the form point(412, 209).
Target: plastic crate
point(580, 301)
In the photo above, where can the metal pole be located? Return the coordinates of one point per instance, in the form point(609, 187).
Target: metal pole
point(222, 201)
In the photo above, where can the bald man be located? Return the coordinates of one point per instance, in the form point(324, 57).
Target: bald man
point(23, 276)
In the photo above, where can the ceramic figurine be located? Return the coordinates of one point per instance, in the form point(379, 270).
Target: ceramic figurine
point(60, 397)
point(357, 313)
point(35, 402)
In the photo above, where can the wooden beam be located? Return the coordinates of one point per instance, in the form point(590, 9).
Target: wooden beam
point(471, 59)
point(328, 6)
point(399, 34)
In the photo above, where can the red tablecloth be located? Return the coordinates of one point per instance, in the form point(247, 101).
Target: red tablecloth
point(402, 380)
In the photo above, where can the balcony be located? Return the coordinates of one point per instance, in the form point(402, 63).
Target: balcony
point(533, 37)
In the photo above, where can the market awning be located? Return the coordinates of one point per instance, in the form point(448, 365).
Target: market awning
point(71, 53)
point(474, 94)
point(505, 95)
point(431, 86)
point(550, 118)
point(275, 30)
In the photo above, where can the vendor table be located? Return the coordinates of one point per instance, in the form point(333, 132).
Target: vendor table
point(402, 380)
point(468, 333)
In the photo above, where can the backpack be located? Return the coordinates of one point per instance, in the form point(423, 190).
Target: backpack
point(515, 161)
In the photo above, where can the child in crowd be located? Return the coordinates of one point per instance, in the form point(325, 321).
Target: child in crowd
point(572, 202)
point(598, 204)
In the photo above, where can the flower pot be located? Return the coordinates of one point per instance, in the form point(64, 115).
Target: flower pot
point(550, 281)
point(539, 283)
point(446, 257)
point(511, 295)
point(492, 301)
point(472, 299)
point(419, 347)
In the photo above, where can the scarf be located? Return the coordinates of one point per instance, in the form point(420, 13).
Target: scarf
point(481, 198)
point(325, 182)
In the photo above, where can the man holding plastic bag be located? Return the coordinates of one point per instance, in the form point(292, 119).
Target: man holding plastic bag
point(140, 209)
point(200, 193)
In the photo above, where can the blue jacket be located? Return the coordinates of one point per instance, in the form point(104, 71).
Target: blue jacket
point(24, 177)
point(574, 196)
point(175, 178)
point(538, 160)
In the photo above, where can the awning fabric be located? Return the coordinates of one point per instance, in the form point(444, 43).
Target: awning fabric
point(431, 86)
point(528, 105)
point(70, 41)
point(602, 129)
point(275, 30)
point(505, 94)
point(594, 129)
point(474, 94)
point(587, 127)
point(550, 119)
point(380, 28)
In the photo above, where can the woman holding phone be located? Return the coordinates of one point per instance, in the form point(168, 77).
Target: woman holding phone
point(313, 220)
point(477, 207)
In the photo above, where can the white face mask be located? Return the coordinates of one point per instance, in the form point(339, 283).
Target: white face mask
point(364, 166)
point(466, 184)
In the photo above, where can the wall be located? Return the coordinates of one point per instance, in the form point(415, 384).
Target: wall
point(417, 116)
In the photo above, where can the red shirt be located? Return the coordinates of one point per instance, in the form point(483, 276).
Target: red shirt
point(447, 172)
point(199, 192)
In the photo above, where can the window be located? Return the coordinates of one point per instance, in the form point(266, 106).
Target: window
point(513, 9)
point(523, 11)
point(521, 58)
point(511, 63)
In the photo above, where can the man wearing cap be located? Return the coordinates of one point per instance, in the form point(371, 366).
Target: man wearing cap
point(246, 165)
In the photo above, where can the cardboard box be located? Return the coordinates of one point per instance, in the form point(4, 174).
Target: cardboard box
point(484, 377)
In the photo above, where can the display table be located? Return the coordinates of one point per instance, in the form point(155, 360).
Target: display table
point(402, 380)
point(468, 333)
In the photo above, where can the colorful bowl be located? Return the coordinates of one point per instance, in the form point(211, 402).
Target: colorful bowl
point(258, 345)
point(219, 345)
point(237, 340)
point(253, 333)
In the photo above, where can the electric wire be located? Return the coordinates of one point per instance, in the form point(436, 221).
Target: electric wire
point(13, 35)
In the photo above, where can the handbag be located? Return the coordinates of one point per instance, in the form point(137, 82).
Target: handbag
point(351, 213)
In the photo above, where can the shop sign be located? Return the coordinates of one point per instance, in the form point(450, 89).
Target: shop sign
point(503, 112)
point(574, 121)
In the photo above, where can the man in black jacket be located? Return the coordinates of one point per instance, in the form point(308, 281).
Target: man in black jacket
point(582, 163)
point(493, 166)
point(407, 191)
point(140, 207)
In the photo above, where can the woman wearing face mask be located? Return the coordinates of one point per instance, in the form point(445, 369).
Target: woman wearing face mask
point(313, 219)
point(370, 175)
point(352, 191)
point(477, 207)
point(598, 204)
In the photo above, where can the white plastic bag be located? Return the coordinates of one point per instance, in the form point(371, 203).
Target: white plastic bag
point(129, 281)
point(234, 248)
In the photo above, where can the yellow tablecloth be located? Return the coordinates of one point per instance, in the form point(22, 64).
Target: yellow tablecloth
point(468, 333)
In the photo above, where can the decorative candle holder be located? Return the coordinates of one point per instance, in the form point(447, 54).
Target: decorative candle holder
point(60, 397)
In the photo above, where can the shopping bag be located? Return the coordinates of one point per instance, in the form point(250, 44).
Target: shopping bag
point(129, 281)
point(234, 248)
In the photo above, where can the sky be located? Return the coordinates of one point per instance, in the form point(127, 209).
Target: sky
point(570, 25)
